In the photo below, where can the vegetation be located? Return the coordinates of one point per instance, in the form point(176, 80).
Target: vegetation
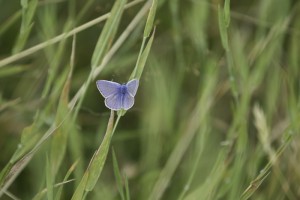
point(216, 115)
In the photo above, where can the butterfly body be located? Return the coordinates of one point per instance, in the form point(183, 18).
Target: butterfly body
point(123, 89)
point(118, 96)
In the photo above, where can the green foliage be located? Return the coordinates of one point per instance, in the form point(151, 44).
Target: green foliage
point(216, 115)
point(95, 167)
point(118, 177)
point(28, 11)
point(107, 33)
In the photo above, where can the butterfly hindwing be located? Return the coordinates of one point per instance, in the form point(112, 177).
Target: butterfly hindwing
point(114, 102)
point(127, 101)
point(107, 88)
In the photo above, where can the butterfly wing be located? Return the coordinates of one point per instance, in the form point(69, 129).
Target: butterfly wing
point(114, 102)
point(132, 87)
point(127, 101)
point(114, 98)
point(107, 88)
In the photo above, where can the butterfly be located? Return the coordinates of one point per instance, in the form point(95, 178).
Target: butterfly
point(118, 96)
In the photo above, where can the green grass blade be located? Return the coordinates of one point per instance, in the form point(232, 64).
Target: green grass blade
point(106, 34)
point(49, 180)
point(30, 136)
point(222, 28)
point(97, 162)
point(6, 104)
point(135, 21)
point(143, 54)
point(118, 175)
point(68, 174)
point(7, 24)
point(59, 140)
point(99, 158)
point(150, 19)
point(4, 173)
point(12, 70)
point(223, 22)
point(127, 192)
point(80, 190)
point(227, 13)
point(138, 70)
point(142, 61)
point(28, 11)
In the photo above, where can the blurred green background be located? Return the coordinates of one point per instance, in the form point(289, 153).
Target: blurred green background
point(216, 115)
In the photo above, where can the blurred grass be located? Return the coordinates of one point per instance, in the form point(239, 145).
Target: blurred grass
point(216, 115)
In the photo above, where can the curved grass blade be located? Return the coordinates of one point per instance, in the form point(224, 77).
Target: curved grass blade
point(97, 162)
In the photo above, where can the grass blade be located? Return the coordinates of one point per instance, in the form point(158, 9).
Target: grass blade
point(227, 13)
point(28, 11)
point(59, 192)
point(222, 28)
point(7, 24)
point(150, 19)
point(97, 162)
point(106, 34)
point(59, 140)
point(49, 180)
point(118, 175)
point(143, 54)
point(138, 70)
point(127, 188)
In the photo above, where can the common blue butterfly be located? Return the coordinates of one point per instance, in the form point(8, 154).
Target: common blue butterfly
point(118, 96)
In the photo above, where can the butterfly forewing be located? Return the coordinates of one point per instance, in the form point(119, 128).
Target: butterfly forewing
point(132, 87)
point(127, 101)
point(114, 102)
point(108, 88)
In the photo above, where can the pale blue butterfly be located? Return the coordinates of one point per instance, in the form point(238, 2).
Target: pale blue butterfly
point(118, 96)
